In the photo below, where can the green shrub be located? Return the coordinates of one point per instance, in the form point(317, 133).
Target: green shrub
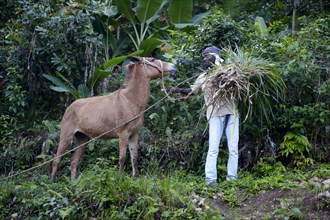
point(294, 147)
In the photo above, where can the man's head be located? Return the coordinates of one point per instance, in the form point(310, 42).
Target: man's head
point(211, 56)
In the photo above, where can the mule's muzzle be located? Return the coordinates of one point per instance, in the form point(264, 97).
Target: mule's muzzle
point(173, 70)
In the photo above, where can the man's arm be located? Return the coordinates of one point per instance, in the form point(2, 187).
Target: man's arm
point(185, 91)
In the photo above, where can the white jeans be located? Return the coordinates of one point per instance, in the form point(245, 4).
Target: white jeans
point(216, 127)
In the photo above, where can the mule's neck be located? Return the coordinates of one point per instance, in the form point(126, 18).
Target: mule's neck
point(137, 86)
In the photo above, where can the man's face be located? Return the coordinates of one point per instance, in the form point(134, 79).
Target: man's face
point(209, 60)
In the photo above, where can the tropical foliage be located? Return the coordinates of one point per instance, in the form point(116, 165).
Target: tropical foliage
point(53, 52)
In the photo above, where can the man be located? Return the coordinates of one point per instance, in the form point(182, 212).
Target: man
point(222, 116)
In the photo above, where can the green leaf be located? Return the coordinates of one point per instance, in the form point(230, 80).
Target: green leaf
point(180, 11)
point(153, 115)
point(261, 25)
point(83, 91)
point(138, 52)
point(147, 9)
point(198, 18)
point(41, 29)
point(149, 45)
point(66, 212)
point(115, 61)
point(125, 7)
point(100, 74)
point(42, 156)
point(165, 214)
point(152, 210)
point(118, 47)
point(55, 80)
point(110, 11)
point(158, 13)
point(301, 64)
point(65, 80)
point(60, 89)
point(61, 86)
point(181, 26)
point(193, 21)
point(101, 23)
point(97, 76)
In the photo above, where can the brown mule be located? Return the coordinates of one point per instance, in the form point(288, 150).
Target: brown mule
point(91, 117)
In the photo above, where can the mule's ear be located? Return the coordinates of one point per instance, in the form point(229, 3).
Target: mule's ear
point(134, 59)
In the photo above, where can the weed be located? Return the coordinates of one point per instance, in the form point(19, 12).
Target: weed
point(286, 211)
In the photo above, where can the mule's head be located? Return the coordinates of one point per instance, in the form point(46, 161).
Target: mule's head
point(154, 68)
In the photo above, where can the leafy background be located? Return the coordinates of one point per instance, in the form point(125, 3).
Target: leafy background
point(53, 52)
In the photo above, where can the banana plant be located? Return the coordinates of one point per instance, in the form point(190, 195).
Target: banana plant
point(104, 22)
point(146, 37)
point(62, 84)
point(140, 19)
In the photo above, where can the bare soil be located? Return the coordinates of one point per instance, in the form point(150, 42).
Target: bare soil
point(275, 204)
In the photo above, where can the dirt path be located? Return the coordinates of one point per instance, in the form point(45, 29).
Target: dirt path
point(276, 204)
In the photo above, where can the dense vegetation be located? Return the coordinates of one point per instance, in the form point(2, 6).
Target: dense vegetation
point(53, 52)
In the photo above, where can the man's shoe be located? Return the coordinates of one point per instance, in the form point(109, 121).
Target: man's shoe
point(210, 185)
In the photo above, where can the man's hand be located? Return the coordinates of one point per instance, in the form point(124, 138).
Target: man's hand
point(185, 91)
point(174, 90)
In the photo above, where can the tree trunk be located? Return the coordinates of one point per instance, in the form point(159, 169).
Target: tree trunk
point(294, 17)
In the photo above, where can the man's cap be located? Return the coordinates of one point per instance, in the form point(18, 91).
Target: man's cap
point(212, 50)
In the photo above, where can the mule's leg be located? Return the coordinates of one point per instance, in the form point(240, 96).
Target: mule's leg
point(65, 140)
point(134, 148)
point(123, 141)
point(78, 153)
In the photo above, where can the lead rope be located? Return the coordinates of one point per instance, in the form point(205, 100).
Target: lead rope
point(163, 88)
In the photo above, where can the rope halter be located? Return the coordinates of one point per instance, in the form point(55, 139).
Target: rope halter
point(147, 62)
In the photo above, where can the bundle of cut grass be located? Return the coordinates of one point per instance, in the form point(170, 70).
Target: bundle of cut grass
point(252, 82)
